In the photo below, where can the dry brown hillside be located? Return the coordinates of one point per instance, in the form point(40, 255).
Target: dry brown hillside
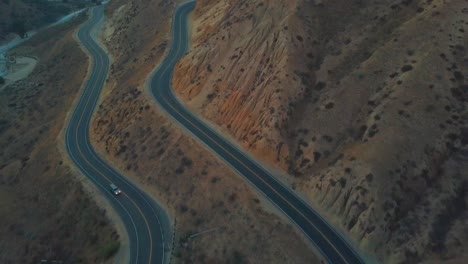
point(361, 103)
point(45, 212)
point(200, 192)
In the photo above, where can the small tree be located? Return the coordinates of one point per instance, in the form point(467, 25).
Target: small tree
point(18, 27)
point(2, 81)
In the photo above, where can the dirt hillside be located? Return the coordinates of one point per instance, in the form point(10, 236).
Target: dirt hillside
point(361, 103)
point(45, 212)
point(200, 192)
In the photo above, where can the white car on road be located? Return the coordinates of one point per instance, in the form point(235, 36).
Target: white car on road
point(114, 189)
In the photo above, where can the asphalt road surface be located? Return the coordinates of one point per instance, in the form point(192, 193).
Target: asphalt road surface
point(146, 223)
point(332, 246)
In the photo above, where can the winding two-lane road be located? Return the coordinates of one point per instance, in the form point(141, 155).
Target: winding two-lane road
point(147, 225)
point(332, 246)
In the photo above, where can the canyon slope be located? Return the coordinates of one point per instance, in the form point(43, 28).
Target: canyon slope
point(360, 105)
point(199, 192)
point(46, 212)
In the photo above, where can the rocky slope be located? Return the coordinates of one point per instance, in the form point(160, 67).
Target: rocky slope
point(200, 193)
point(46, 214)
point(361, 103)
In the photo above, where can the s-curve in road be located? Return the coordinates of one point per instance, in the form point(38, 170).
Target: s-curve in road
point(146, 223)
point(332, 246)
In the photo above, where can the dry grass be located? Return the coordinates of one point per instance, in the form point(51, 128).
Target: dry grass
point(361, 103)
point(45, 212)
point(199, 191)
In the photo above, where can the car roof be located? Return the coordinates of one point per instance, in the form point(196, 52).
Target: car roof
point(113, 186)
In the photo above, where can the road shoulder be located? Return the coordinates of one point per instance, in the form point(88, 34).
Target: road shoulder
point(123, 255)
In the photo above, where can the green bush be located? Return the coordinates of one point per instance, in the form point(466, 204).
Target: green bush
point(110, 249)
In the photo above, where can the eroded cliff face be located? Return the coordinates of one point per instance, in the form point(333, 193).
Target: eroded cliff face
point(362, 103)
point(198, 190)
point(240, 72)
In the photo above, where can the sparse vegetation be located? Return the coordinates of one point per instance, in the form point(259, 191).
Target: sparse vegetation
point(383, 106)
point(110, 249)
point(406, 68)
point(45, 210)
point(200, 191)
point(365, 112)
